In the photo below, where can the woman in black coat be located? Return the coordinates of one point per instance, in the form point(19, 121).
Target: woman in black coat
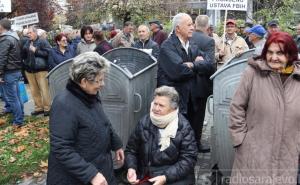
point(81, 136)
point(162, 149)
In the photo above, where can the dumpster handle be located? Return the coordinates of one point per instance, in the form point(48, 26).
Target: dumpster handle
point(208, 105)
point(140, 102)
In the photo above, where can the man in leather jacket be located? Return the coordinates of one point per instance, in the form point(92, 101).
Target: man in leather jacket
point(10, 70)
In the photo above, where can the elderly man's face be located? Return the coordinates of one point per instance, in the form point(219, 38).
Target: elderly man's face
point(143, 33)
point(186, 27)
point(273, 28)
point(31, 34)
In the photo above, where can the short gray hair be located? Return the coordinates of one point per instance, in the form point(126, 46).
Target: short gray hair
point(33, 28)
point(177, 19)
point(88, 65)
point(143, 25)
point(169, 92)
point(202, 22)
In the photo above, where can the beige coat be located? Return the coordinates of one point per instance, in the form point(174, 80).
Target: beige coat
point(237, 45)
point(265, 127)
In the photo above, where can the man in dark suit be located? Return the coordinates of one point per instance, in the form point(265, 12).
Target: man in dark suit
point(201, 41)
point(184, 68)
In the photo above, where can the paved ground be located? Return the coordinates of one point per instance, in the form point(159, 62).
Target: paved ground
point(202, 169)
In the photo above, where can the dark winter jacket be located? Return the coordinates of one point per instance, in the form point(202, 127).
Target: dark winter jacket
point(103, 47)
point(81, 139)
point(38, 60)
point(10, 53)
point(56, 56)
point(177, 162)
point(173, 72)
point(159, 37)
point(148, 44)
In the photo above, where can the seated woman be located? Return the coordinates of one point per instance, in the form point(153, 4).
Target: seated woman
point(162, 149)
point(61, 52)
point(81, 136)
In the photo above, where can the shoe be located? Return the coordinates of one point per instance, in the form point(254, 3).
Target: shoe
point(16, 126)
point(203, 148)
point(46, 113)
point(35, 113)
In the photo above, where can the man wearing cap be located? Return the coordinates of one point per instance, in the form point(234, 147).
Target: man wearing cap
point(10, 70)
point(256, 36)
point(157, 34)
point(273, 26)
point(234, 45)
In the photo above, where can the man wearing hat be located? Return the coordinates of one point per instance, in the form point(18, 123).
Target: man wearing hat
point(273, 26)
point(10, 70)
point(256, 36)
point(157, 34)
point(234, 45)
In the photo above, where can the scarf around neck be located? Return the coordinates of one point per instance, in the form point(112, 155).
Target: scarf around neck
point(168, 125)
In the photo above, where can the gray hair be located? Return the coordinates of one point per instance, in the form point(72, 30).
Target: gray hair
point(33, 28)
point(202, 22)
point(169, 92)
point(143, 25)
point(177, 19)
point(88, 65)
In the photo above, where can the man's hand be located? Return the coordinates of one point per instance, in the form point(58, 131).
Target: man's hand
point(120, 157)
point(199, 59)
point(159, 180)
point(131, 176)
point(99, 179)
point(189, 64)
point(32, 48)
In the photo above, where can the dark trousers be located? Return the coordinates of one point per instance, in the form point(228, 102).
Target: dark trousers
point(196, 116)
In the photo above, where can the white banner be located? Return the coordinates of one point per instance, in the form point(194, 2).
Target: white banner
point(240, 5)
point(26, 19)
point(5, 5)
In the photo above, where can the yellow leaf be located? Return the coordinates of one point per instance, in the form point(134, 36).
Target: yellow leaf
point(19, 149)
point(44, 164)
point(37, 174)
point(12, 159)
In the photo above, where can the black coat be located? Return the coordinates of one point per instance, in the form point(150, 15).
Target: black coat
point(38, 60)
point(172, 71)
point(177, 162)
point(10, 53)
point(81, 139)
point(148, 44)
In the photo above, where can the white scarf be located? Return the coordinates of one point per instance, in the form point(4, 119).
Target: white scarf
point(168, 125)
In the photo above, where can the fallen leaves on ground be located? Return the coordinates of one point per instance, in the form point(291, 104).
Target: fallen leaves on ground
point(44, 164)
point(19, 149)
point(12, 159)
point(2, 121)
point(22, 132)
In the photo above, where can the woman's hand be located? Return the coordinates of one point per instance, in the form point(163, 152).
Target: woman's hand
point(99, 179)
point(131, 176)
point(159, 180)
point(120, 157)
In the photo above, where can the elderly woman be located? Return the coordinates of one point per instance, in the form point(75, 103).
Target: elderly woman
point(265, 117)
point(62, 52)
point(162, 149)
point(81, 136)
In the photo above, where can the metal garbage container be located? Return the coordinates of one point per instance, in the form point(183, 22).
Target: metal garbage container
point(245, 55)
point(225, 82)
point(128, 90)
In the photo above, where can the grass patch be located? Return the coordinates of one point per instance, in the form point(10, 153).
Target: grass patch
point(23, 151)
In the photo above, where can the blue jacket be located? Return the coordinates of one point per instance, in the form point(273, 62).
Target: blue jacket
point(56, 56)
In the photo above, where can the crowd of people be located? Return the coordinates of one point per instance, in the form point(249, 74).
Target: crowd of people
point(164, 145)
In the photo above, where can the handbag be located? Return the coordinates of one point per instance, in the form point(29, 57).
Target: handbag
point(23, 93)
